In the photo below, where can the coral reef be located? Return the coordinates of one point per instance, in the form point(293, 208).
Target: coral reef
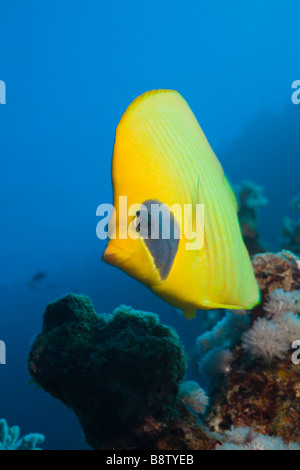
point(250, 200)
point(10, 438)
point(261, 389)
point(276, 271)
point(120, 373)
point(123, 373)
point(271, 337)
point(291, 229)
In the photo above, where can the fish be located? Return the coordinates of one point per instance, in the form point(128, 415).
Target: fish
point(39, 276)
point(36, 279)
point(162, 158)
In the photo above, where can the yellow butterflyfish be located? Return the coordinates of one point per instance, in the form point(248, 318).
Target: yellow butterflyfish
point(161, 158)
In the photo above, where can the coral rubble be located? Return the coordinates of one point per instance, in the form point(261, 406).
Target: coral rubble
point(261, 389)
point(121, 374)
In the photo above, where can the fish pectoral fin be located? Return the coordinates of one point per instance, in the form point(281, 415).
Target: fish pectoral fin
point(190, 314)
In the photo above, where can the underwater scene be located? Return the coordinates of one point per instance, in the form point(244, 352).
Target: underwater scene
point(150, 227)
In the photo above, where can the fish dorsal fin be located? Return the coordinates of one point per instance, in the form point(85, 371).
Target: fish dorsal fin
point(157, 147)
point(148, 94)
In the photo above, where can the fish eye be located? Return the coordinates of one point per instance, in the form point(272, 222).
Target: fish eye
point(149, 225)
point(140, 217)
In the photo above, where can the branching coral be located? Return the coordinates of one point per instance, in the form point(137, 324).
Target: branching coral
point(225, 334)
point(250, 200)
point(212, 350)
point(10, 438)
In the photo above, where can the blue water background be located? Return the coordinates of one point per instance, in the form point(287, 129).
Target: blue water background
point(71, 68)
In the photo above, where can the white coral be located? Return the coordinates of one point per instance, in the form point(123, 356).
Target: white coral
point(289, 323)
point(194, 397)
point(283, 308)
point(237, 435)
point(246, 439)
point(281, 301)
point(266, 340)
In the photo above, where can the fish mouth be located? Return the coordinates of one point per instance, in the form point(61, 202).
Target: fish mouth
point(109, 255)
point(113, 255)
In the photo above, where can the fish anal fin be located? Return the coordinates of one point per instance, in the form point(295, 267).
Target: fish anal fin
point(211, 306)
point(190, 314)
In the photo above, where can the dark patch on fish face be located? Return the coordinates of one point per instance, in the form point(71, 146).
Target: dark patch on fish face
point(160, 230)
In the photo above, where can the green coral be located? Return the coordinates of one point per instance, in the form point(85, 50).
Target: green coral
point(112, 370)
point(10, 438)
